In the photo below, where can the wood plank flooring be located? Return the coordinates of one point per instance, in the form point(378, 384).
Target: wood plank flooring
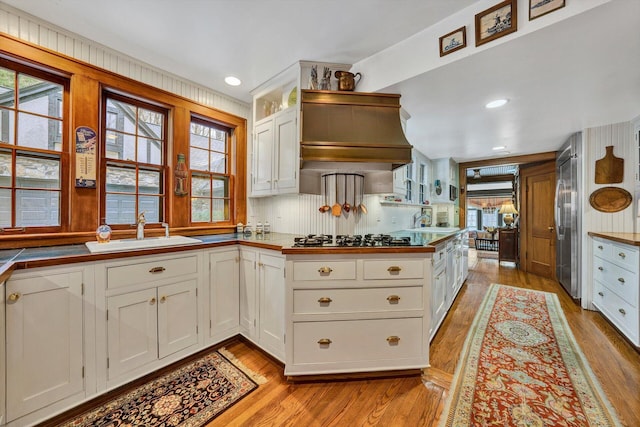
point(407, 401)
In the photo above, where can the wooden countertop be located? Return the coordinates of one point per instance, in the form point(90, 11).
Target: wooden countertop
point(626, 238)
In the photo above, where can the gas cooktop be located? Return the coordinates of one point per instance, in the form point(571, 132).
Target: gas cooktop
point(340, 240)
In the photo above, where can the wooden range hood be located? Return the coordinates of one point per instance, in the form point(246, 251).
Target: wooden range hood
point(352, 127)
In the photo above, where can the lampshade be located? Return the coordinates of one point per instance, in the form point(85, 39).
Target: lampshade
point(508, 208)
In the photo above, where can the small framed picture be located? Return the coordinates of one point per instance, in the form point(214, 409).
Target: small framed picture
point(537, 8)
point(453, 41)
point(497, 21)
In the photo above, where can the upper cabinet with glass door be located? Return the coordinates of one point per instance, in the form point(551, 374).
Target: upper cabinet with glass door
point(276, 130)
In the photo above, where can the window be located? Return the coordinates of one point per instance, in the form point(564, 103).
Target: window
point(210, 174)
point(134, 167)
point(32, 123)
point(473, 219)
point(422, 188)
point(409, 182)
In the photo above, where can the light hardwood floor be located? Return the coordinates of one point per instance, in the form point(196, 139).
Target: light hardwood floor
point(409, 402)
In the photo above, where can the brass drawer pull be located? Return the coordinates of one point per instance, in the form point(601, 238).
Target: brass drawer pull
point(621, 310)
point(393, 339)
point(601, 294)
point(622, 255)
point(157, 270)
point(324, 341)
point(394, 269)
point(14, 297)
point(600, 268)
point(621, 280)
point(324, 300)
point(325, 270)
point(163, 299)
point(600, 247)
point(153, 301)
point(393, 299)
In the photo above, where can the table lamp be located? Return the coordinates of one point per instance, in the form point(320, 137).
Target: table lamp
point(508, 210)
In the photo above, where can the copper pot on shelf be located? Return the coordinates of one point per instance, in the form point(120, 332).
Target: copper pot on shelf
point(347, 81)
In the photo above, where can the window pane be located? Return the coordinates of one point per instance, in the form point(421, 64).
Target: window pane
point(32, 172)
point(38, 132)
point(39, 96)
point(149, 182)
point(121, 209)
point(121, 180)
point(218, 162)
point(7, 87)
point(200, 186)
point(199, 159)
point(7, 126)
point(220, 210)
point(199, 136)
point(125, 113)
point(37, 208)
point(220, 187)
point(150, 151)
point(151, 206)
point(219, 145)
point(5, 169)
point(5, 208)
point(200, 210)
point(150, 123)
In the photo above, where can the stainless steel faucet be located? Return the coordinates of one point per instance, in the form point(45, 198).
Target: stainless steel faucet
point(140, 229)
point(417, 217)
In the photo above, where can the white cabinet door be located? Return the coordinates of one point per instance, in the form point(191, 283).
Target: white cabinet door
point(224, 293)
point(399, 178)
point(262, 159)
point(132, 331)
point(286, 153)
point(438, 298)
point(248, 292)
point(272, 288)
point(44, 336)
point(177, 317)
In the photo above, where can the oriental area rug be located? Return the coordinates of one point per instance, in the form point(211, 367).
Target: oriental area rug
point(188, 396)
point(521, 366)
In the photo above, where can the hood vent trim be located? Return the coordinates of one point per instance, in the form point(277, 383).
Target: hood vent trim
point(352, 127)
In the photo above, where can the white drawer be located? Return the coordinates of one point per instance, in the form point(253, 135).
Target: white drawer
point(393, 269)
point(601, 248)
point(142, 272)
point(625, 256)
point(440, 255)
point(621, 314)
point(324, 270)
point(354, 340)
point(621, 281)
point(316, 301)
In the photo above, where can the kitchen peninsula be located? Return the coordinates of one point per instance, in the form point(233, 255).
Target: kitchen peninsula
point(119, 307)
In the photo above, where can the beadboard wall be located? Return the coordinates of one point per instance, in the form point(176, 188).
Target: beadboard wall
point(26, 27)
point(620, 135)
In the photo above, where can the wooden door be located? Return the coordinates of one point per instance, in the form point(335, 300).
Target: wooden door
point(537, 223)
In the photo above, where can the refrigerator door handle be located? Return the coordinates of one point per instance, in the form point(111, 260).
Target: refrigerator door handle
point(558, 214)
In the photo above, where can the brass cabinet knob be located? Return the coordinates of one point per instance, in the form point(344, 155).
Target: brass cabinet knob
point(621, 310)
point(157, 270)
point(393, 339)
point(325, 270)
point(551, 228)
point(163, 299)
point(14, 297)
point(324, 300)
point(394, 269)
point(600, 268)
point(152, 301)
point(600, 247)
point(622, 255)
point(393, 299)
point(324, 341)
point(620, 279)
point(601, 294)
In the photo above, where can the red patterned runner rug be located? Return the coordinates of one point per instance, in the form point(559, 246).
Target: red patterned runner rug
point(189, 396)
point(521, 366)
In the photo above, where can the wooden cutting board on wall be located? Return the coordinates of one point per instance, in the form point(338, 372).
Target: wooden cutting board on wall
point(609, 169)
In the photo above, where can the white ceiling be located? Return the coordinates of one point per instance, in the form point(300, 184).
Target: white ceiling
point(581, 72)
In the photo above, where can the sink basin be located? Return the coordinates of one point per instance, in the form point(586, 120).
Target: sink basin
point(132, 244)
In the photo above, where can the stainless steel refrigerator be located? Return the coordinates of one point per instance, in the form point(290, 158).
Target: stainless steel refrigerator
point(567, 214)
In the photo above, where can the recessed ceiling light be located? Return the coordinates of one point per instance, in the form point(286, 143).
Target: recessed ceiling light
point(232, 81)
point(501, 147)
point(497, 103)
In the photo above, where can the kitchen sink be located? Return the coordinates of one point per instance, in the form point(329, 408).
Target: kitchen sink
point(133, 244)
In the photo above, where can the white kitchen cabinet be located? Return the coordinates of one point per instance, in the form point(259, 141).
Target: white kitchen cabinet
point(400, 182)
point(224, 294)
point(44, 339)
point(262, 299)
point(438, 301)
point(356, 313)
point(262, 165)
point(616, 283)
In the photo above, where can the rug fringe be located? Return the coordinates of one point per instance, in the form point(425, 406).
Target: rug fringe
point(256, 377)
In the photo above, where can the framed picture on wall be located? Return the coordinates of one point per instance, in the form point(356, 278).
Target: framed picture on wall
point(497, 21)
point(537, 8)
point(455, 40)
